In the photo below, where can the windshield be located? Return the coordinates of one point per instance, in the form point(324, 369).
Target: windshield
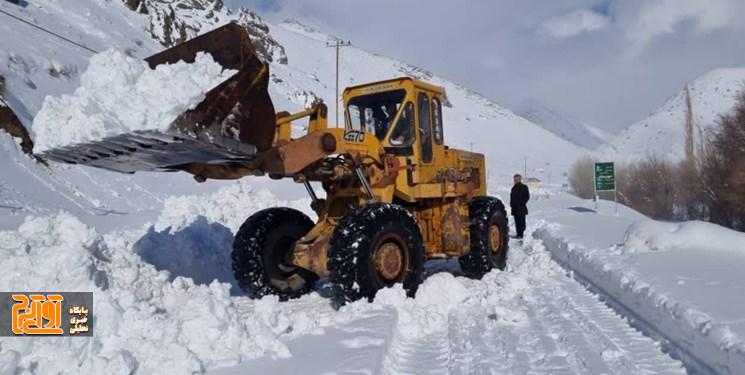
point(375, 113)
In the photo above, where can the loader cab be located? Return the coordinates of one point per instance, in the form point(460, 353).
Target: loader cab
point(405, 114)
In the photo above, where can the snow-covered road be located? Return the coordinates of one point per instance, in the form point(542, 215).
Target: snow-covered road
point(531, 319)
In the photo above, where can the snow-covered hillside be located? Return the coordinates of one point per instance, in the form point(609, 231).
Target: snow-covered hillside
point(170, 22)
point(302, 71)
point(562, 125)
point(36, 64)
point(662, 133)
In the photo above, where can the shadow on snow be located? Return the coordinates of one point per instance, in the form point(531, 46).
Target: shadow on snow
point(201, 252)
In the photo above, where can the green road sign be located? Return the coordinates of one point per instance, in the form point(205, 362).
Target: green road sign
point(605, 177)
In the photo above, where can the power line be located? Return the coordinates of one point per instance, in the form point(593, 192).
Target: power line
point(48, 31)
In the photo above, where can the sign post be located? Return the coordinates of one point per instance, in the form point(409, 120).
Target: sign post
point(605, 180)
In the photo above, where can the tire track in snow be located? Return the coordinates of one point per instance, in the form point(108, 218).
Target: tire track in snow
point(557, 327)
point(427, 354)
point(623, 347)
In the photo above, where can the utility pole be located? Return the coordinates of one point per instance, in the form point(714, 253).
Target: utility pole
point(525, 170)
point(337, 44)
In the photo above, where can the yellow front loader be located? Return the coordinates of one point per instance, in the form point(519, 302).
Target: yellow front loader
point(396, 195)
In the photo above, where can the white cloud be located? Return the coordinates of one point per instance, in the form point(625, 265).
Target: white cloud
point(660, 17)
point(575, 23)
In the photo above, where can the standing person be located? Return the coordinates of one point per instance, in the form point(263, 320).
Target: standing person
point(519, 197)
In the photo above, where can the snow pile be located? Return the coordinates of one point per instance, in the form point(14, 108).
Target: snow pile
point(429, 311)
point(229, 206)
point(193, 235)
point(144, 322)
point(655, 235)
point(443, 294)
point(200, 251)
point(120, 94)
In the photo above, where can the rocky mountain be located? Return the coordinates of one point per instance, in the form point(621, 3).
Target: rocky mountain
point(174, 21)
point(10, 123)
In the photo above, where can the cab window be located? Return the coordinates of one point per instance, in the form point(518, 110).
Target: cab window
point(437, 121)
point(375, 113)
point(425, 129)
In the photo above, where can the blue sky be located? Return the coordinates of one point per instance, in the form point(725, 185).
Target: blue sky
point(607, 62)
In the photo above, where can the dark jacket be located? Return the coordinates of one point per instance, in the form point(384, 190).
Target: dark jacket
point(519, 197)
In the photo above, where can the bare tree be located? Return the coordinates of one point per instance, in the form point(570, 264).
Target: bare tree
point(724, 169)
point(581, 177)
point(650, 188)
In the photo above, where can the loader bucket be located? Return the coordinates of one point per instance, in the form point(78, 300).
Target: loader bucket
point(234, 121)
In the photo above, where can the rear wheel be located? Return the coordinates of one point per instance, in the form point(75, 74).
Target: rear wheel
point(262, 254)
point(489, 237)
point(373, 247)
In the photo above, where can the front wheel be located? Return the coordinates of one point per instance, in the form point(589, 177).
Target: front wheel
point(489, 234)
point(373, 247)
point(262, 254)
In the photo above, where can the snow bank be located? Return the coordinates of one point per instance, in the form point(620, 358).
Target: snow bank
point(144, 322)
point(680, 283)
point(435, 299)
point(199, 251)
point(229, 206)
point(193, 235)
point(654, 235)
point(119, 94)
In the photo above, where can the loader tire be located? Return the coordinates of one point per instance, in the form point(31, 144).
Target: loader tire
point(373, 247)
point(262, 250)
point(489, 232)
